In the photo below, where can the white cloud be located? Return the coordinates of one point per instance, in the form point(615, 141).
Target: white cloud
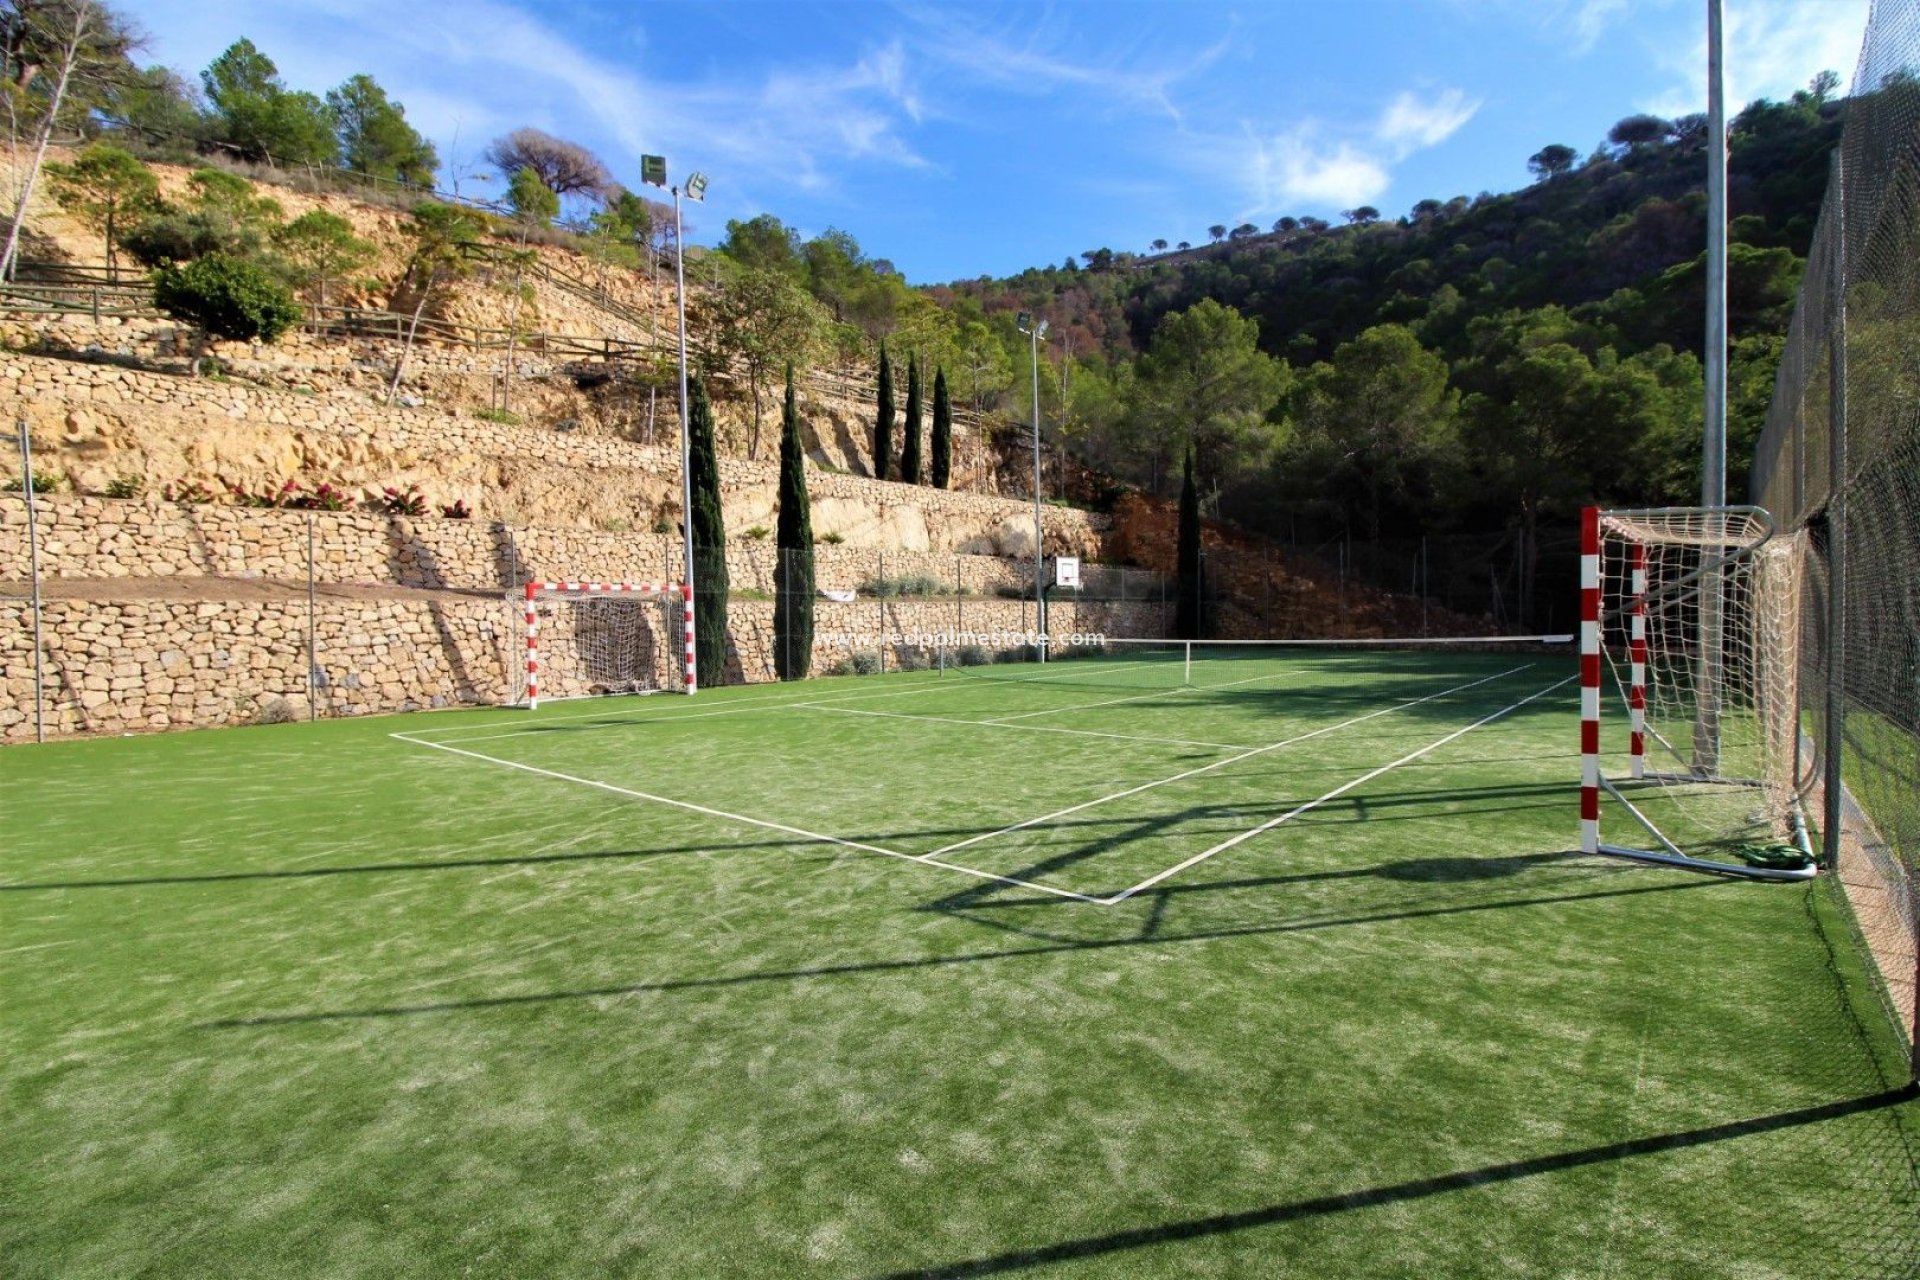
point(1772, 48)
point(1408, 124)
point(1313, 163)
point(1591, 20)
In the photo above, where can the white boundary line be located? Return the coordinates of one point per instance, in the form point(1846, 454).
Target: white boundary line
point(1025, 728)
point(1334, 794)
point(1221, 764)
point(930, 859)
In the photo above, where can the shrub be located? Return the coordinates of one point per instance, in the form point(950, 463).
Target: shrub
point(126, 486)
point(1009, 591)
point(280, 497)
point(323, 498)
point(459, 510)
point(661, 524)
point(971, 655)
point(506, 416)
point(399, 502)
point(758, 533)
point(1019, 653)
point(864, 662)
point(187, 491)
point(229, 297)
point(43, 482)
point(917, 584)
point(910, 659)
point(831, 539)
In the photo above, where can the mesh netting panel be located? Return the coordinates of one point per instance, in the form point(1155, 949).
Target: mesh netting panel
point(1839, 463)
point(1714, 598)
point(593, 644)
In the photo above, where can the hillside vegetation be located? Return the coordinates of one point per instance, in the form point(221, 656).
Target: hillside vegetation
point(1481, 365)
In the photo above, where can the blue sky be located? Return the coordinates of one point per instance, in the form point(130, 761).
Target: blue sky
point(961, 140)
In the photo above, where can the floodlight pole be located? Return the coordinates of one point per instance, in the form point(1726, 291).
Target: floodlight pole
point(1033, 328)
point(1713, 463)
point(686, 442)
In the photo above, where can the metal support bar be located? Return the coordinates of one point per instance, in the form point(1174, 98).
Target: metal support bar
point(33, 574)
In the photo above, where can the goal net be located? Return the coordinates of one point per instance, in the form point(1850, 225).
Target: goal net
point(590, 639)
point(1689, 638)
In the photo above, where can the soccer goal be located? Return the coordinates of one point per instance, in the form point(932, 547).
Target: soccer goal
point(590, 639)
point(1691, 616)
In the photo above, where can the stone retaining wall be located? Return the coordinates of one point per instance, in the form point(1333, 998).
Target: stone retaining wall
point(95, 538)
point(145, 664)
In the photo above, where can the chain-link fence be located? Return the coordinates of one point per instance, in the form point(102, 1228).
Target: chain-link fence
point(1839, 468)
point(872, 610)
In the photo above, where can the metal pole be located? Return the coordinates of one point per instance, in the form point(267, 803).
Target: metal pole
point(33, 574)
point(1834, 735)
point(1039, 538)
point(1713, 462)
point(313, 647)
point(1713, 485)
point(686, 444)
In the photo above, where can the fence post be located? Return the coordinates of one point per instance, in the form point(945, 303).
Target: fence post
point(880, 597)
point(33, 575)
point(1834, 779)
point(959, 590)
point(313, 648)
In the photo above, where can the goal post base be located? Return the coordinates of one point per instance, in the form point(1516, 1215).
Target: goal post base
point(1712, 868)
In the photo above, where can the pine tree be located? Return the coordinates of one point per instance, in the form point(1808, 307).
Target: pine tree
point(1186, 601)
point(883, 420)
point(942, 431)
point(910, 447)
point(793, 549)
point(709, 544)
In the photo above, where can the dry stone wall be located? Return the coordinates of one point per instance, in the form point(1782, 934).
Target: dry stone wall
point(135, 665)
point(104, 538)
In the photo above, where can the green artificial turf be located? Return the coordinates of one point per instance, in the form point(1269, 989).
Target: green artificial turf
point(316, 1000)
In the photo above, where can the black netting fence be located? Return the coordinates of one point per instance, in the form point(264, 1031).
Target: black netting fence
point(1839, 467)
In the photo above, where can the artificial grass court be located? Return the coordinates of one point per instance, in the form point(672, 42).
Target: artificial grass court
point(956, 974)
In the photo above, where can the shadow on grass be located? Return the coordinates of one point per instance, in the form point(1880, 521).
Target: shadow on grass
point(924, 962)
point(1119, 1242)
point(936, 833)
point(389, 868)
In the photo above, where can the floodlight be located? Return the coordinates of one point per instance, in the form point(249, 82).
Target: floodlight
point(697, 186)
point(653, 170)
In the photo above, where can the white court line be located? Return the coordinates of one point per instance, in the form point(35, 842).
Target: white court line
point(1334, 794)
point(1027, 728)
point(1221, 764)
point(930, 859)
point(1138, 697)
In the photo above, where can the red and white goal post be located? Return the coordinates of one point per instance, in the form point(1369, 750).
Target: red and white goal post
point(590, 639)
point(1690, 626)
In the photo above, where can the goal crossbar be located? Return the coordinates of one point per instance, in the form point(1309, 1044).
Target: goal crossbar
point(665, 593)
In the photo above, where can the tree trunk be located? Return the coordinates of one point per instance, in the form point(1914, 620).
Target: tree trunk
point(406, 346)
point(69, 56)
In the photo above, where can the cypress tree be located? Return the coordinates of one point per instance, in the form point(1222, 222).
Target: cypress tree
point(942, 431)
point(709, 544)
point(910, 447)
point(793, 548)
point(883, 419)
point(1186, 601)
